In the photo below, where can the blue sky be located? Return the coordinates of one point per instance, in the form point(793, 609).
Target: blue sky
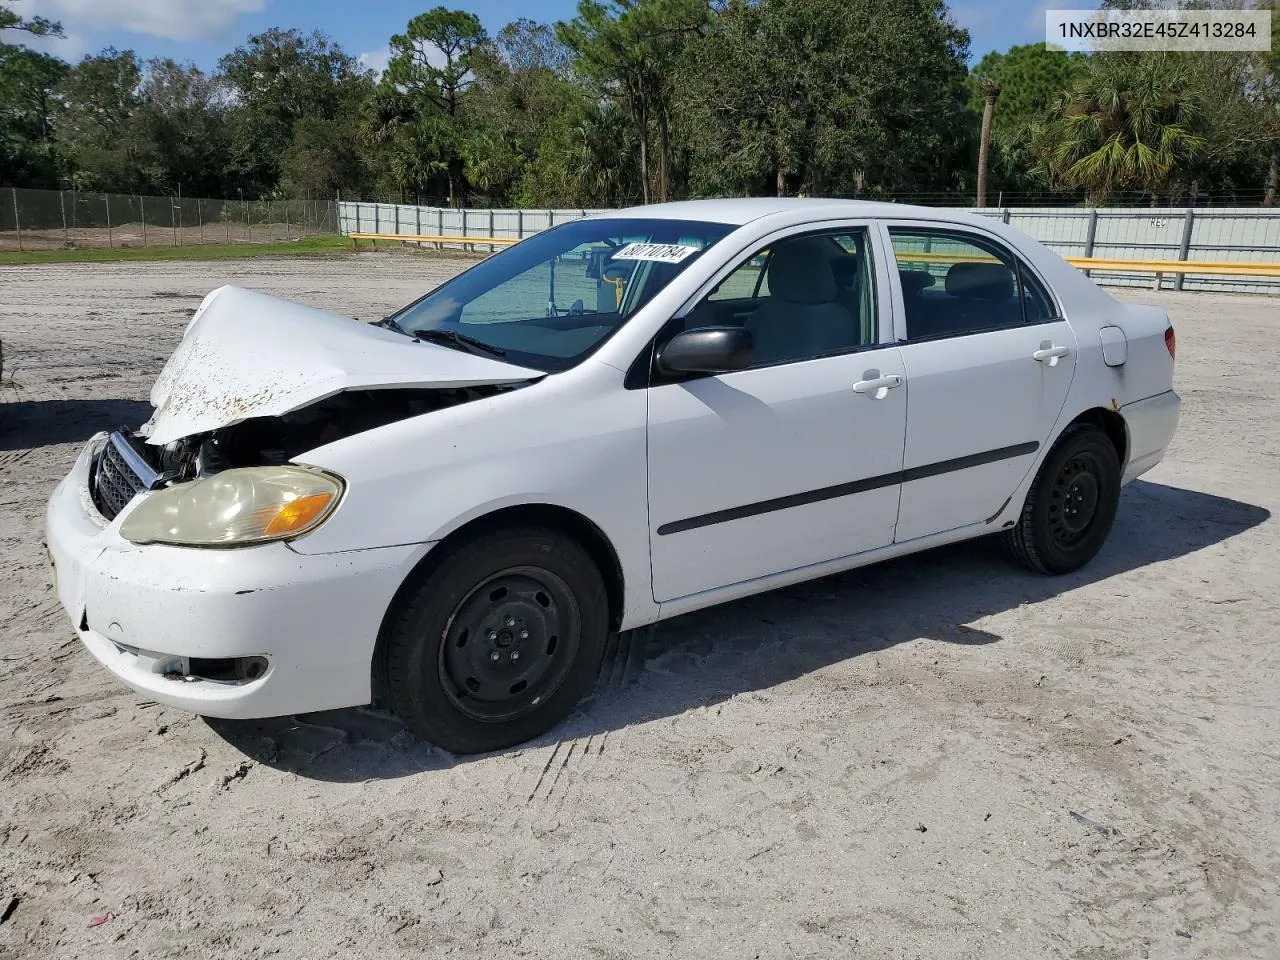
point(202, 30)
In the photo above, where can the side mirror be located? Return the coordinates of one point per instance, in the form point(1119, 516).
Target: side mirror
point(706, 350)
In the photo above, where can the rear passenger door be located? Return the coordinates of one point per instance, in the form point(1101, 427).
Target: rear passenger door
point(988, 360)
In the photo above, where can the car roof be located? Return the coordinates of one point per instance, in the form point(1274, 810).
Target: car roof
point(741, 210)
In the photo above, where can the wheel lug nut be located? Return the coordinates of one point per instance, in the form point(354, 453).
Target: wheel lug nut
point(495, 656)
point(515, 654)
point(524, 634)
point(493, 634)
point(511, 621)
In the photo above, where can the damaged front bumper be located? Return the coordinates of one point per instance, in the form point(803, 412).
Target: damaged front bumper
point(246, 632)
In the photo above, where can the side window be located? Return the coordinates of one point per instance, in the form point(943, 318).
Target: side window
point(747, 282)
point(1037, 305)
point(802, 297)
point(955, 284)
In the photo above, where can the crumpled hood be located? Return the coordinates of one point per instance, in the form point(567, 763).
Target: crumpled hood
point(247, 354)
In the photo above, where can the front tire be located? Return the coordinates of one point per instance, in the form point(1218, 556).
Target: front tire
point(1071, 506)
point(498, 641)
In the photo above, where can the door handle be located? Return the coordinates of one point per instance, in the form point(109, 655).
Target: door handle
point(878, 387)
point(1050, 353)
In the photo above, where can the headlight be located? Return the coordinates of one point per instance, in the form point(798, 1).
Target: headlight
point(236, 507)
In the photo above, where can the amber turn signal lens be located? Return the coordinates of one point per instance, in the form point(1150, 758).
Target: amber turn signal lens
point(297, 514)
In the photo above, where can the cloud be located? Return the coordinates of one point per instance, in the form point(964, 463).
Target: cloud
point(171, 19)
point(376, 60)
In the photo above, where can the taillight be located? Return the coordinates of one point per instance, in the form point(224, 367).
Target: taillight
point(1171, 342)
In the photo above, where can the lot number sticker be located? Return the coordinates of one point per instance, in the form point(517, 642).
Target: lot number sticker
point(662, 252)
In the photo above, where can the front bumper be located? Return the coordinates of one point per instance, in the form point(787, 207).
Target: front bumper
point(145, 612)
point(1151, 424)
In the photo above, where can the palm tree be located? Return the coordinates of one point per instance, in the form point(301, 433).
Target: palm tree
point(990, 90)
point(1129, 122)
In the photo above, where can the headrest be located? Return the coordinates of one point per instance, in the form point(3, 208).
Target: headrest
point(801, 273)
point(980, 281)
point(913, 281)
point(845, 269)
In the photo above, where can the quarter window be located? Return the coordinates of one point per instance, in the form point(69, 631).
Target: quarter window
point(802, 297)
point(955, 284)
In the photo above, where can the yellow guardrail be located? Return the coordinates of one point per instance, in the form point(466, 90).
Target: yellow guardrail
point(1105, 264)
point(414, 238)
point(1220, 267)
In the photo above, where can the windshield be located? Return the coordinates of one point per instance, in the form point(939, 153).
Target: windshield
point(552, 299)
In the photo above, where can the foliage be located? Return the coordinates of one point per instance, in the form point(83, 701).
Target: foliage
point(28, 87)
point(1128, 122)
point(636, 100)
point(96, 125)
point(10, 19)
point(428, 76)
point(629, 50)
point(1030, 78)
point(870, 99)
point(278, 79)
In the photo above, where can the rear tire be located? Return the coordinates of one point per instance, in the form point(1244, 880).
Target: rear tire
point(498, 641)
point(1071, 506)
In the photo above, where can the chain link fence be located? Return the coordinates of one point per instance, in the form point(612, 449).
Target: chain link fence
point(61, 219)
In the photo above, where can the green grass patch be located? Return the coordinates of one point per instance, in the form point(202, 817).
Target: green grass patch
point(309, 246)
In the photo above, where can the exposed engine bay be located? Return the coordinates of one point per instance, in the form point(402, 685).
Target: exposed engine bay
point(263, 441)
point(267, 441)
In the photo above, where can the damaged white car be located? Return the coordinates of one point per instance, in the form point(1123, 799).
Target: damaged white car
point(613, 422)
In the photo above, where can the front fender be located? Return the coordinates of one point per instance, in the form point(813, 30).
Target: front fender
point(572, 442)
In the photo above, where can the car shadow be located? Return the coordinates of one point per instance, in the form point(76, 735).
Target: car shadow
point(27, 424)
point(706, 657)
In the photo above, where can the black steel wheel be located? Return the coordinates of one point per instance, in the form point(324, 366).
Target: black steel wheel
point(1074, 498)
point(497, 641)
point(509, 644)
point(1071, 506)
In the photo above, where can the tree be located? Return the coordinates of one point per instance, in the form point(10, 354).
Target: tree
point(990, 90)
point(36, 26)
point(96, 129)
point(630, 50)
point(1261, 73)
point(1128, 122)
point(587, 156)
point(322, 159)
point(28, 84)
point(431, 67)
point(1030, 77)
point(278, 79)
point(808, 96)
point(28, 155)
point(522, 89)
point(182, 134)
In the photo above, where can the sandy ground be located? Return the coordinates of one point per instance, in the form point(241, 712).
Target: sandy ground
point(939, 757)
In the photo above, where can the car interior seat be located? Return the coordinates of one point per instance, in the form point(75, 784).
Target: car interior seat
point(985, 292)
point(802, 316)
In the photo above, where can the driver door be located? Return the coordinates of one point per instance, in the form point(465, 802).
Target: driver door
point(797, 459)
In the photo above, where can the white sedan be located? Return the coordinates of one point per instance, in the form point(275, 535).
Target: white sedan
point(613, 422)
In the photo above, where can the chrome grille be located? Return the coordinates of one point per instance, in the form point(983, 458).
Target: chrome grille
point(119, 476)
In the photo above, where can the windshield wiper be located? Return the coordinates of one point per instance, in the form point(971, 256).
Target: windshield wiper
point(452, 338)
